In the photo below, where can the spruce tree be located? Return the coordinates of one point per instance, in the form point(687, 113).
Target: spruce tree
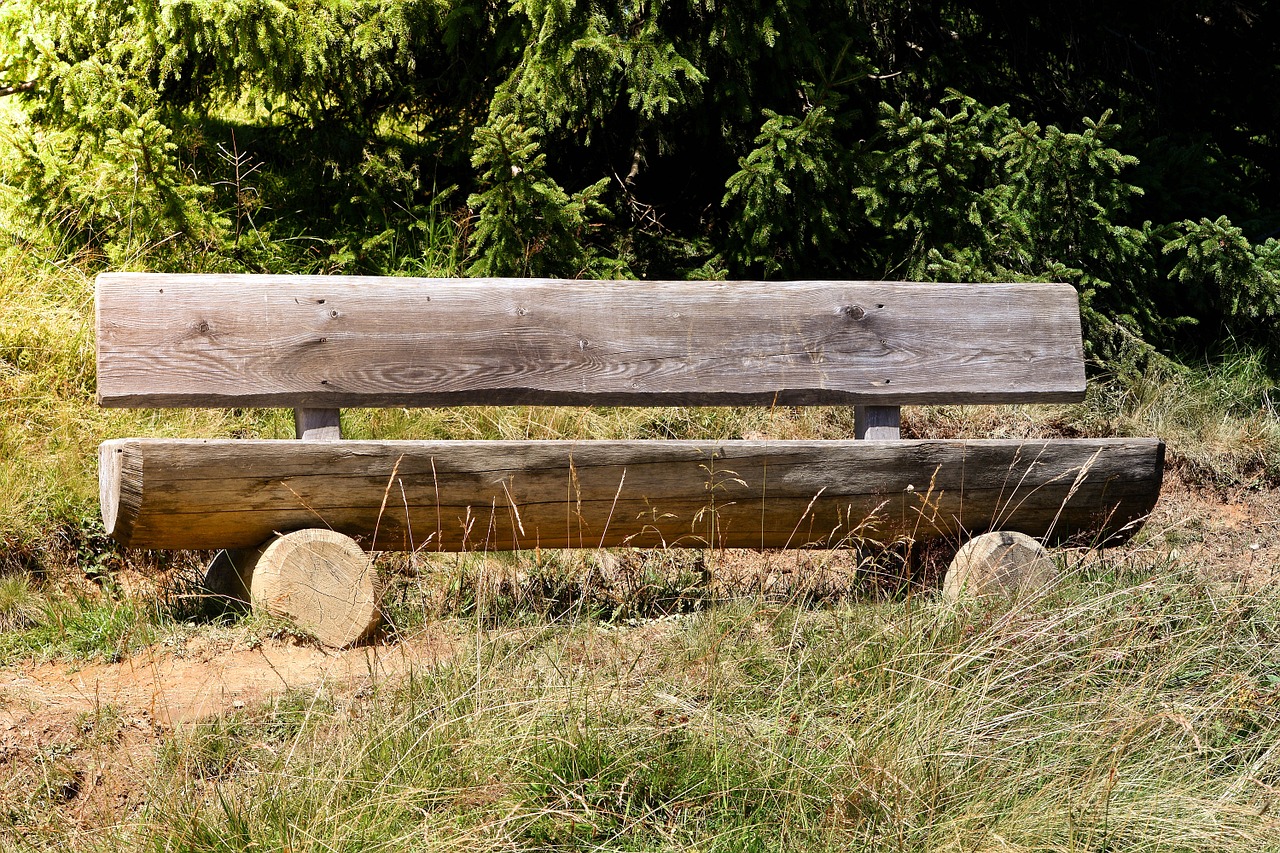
point(667, 138)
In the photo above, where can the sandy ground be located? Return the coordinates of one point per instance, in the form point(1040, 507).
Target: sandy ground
point(206, 676)
point(1233, 535)
point(86, 734)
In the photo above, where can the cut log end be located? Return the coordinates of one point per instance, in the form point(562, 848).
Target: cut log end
point(998, 563)
point(120, 485)
point(320, 580)
point(109, 484)
point(227, 578)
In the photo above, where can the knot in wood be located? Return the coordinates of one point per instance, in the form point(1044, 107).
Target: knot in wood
point(857, 312)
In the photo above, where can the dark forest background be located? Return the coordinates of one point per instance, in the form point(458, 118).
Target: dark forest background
point(1131, 149)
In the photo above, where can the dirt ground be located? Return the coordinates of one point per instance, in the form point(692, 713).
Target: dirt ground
point(1233, 534)
point(85, 735)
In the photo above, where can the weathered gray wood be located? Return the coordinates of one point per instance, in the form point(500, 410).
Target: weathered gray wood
point(330, 342)
point(502, 495)
point(318, 424)
point(877, 423)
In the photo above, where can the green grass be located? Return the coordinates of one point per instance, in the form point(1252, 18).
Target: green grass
point(1132, 708)
point(1222, 418)
point(44, 626)
point(21, 605)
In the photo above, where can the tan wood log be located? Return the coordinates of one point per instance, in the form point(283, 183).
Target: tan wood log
point(503, 495)
point(330, 342)
point(1002, 562)
point(320, 580)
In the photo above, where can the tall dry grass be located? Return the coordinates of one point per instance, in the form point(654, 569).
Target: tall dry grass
point(1132, 707)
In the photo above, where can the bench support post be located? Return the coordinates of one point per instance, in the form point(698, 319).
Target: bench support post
point(317, 424)
point(877, 423)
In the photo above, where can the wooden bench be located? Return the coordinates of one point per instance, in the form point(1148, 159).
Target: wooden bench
point(318, 344)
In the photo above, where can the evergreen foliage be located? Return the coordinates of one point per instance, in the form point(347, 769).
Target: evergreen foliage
point(1128, 151)
point(970, 193)
point(528, 225)
point(1230, 277)
point(795, 162)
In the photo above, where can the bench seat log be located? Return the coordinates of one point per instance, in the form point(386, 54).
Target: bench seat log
point(503, 495)
point(330, 342)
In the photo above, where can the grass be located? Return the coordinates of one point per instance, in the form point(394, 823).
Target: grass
point(21, 605)
point(1221, 419)
point(670, 700)
point(44, 626)
point(1130, 708)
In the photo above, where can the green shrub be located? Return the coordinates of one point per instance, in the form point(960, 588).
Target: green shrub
point(789, 138)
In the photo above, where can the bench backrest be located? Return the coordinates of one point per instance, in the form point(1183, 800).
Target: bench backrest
point(335, 341)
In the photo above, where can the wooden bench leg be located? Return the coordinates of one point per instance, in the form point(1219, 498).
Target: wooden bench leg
point(1001, 562)
point(877, 423)
point(320, 580)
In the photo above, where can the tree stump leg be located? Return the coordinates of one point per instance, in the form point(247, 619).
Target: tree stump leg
point(320, 580)
point(1001, 562)
point(227, 578)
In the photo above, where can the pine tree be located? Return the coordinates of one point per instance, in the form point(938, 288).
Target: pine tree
point(663, 138)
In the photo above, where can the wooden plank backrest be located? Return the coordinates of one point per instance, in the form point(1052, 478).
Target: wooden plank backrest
point(324, 342)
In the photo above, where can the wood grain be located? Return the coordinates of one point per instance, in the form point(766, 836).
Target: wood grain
point(503, 495)
point(877, 423)
point(331, 342)
point(317, 424)
point(1002, 562)
point(320, 580)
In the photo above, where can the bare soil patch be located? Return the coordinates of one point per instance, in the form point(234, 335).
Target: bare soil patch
point(1232, 534)
point(84, 737)
point(204, 677)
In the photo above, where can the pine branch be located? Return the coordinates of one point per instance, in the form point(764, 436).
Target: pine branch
point(17, 88)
